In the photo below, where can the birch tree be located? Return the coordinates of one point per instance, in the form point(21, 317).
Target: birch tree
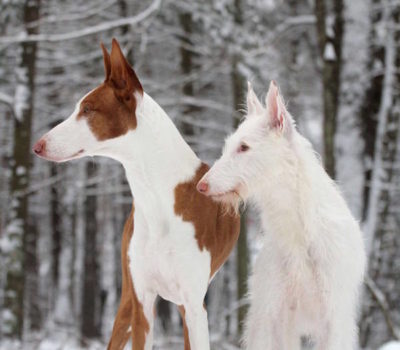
point(330, 28)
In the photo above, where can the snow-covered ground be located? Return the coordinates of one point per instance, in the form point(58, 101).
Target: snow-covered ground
point(63, 340)
point(393, 345)
point(69, 342)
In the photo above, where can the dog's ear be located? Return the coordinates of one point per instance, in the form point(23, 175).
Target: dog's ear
point(107, 62)
point(254, 106)
point(122, 76)
point(278, 117)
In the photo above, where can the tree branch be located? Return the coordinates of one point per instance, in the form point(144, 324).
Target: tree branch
point(383, 304)
point(8, 101)
point(23, 38)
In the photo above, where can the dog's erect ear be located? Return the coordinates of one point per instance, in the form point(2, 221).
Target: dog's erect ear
point(254, 106)
point(107, 62)
point(122, 75)
point(278, 117)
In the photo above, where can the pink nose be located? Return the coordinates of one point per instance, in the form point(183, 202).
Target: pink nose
point(39, 147)
point(202, 187)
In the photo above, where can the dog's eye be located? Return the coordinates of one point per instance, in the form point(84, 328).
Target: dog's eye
point(86, 109)
point(243, 148)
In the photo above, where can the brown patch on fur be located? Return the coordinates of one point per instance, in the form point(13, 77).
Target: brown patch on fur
point(106, 115)
point(185, 329)
point(130, 311)
point(111, 108)
point(216, 230)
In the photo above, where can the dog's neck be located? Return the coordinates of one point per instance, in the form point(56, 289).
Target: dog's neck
point(286, 203)
point(155, 156)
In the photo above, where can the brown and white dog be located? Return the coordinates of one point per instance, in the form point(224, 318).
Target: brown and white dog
point(175, 239)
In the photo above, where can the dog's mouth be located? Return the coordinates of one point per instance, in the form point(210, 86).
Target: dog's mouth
point(226, 196)
point(62, 159)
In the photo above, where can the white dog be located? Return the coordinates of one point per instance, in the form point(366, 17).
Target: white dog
point(307, 277)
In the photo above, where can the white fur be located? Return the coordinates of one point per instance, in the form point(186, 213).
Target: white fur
point(66, 140)
point(165, 258)
point(307, 277)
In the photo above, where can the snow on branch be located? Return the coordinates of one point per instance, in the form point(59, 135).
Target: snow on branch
point(386, 103)
point(380, 298)
point(280, 29)
point(6, 99)
point(23, 38)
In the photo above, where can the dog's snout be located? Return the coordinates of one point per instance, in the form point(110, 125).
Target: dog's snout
point(39, 147)
point(202, 187)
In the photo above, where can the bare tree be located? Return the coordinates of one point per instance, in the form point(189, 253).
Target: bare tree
point(91, 288)
point(330, 29)
point(238, 89)
point(22, 258)
point(381, 315)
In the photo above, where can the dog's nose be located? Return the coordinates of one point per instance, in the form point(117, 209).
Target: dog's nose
point(202, 187)
point(39, 147)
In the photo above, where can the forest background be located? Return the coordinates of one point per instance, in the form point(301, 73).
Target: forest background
point(337, 63)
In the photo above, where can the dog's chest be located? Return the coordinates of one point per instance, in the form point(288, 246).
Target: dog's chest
point(163, 260)
point(306, 286)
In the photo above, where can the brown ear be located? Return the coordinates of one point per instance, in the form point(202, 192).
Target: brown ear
point(122, 75)
point(107, 62)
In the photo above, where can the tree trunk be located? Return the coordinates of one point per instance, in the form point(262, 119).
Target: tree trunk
point(330, 37)
point(187, 65)
point(238, 89)
point(22, 259)
point(372, 100)
point(56, 227)
point(380, 310)
point(91, 287)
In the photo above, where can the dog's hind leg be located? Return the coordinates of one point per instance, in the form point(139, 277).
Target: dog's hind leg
point(121, 329)
point(185, 328)
point(122, 323)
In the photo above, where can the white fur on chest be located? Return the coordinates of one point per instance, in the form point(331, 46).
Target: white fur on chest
point(165, 262)
point(164, 255)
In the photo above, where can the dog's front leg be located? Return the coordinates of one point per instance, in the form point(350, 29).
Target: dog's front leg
point(197, 323)
point(337, 333)
point(122, 324)
point(185, 328)
point(142, 321)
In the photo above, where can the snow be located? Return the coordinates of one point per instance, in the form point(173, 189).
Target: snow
point(393, 345)
point(7, 99)
point(22, 93)
point(267, 52)
point(387, 100)
point(329, 52)
point(7, 318)
point(134, 20)
point(21, 170)
point(8, 245)
point(60, 342)
point(329, 25)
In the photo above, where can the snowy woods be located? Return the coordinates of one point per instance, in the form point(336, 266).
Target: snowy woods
point(336, 61)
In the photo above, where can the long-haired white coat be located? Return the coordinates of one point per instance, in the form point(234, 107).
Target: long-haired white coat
point(307, 277)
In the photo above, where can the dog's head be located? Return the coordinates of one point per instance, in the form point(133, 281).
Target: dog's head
point(101, 117)
point(254, 153)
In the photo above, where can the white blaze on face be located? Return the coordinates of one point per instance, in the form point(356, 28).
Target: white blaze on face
point(70, 139)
